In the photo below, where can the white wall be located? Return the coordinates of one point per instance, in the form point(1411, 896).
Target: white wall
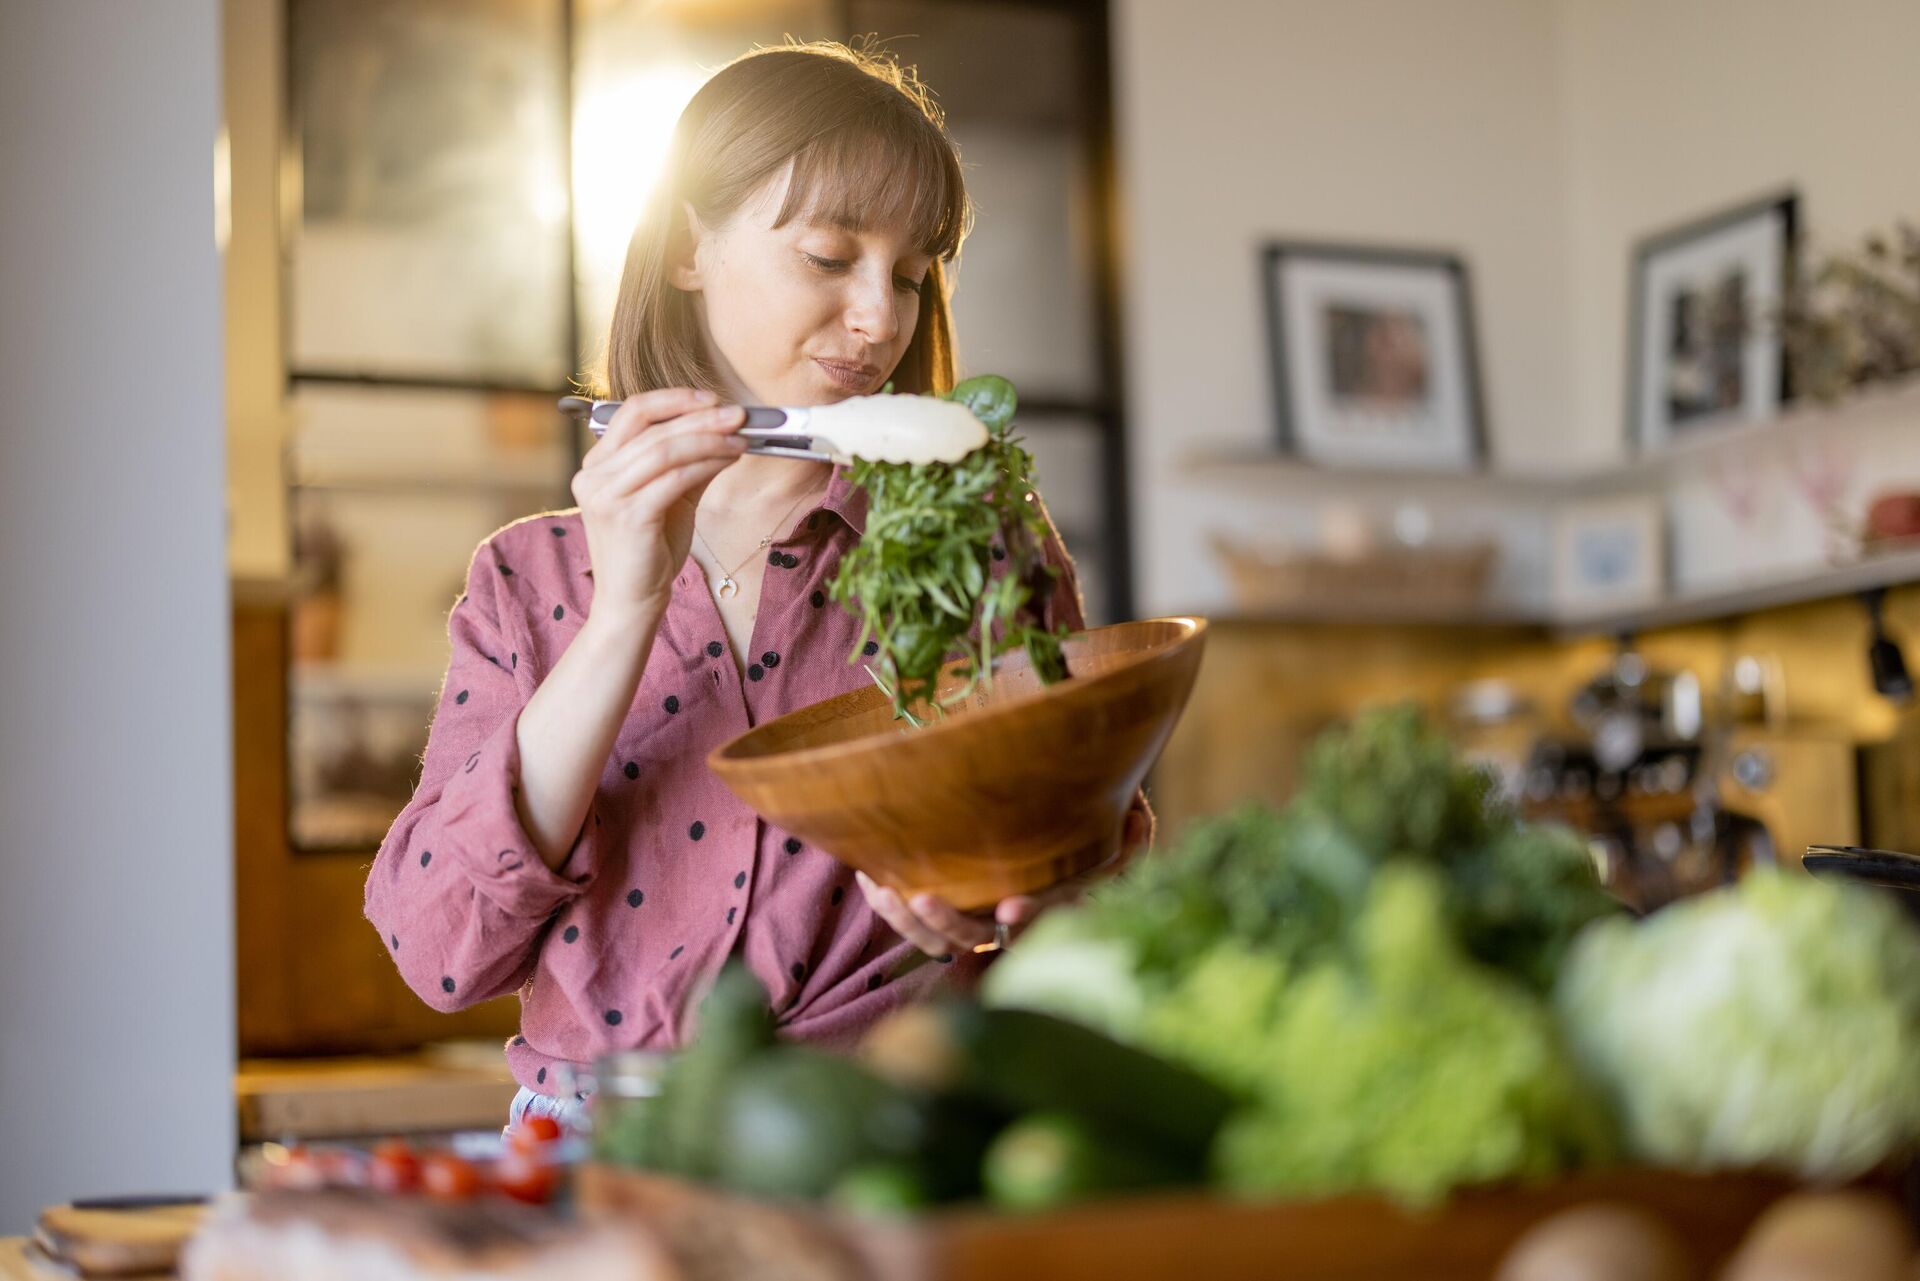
point(116, 851)
point(1372, 121)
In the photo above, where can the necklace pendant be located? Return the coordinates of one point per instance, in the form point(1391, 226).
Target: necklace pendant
point(728, 588)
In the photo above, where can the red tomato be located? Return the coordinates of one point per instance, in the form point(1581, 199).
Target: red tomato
point(535, 1131)
point(524, 1176)
point(449, 1177)
point(394, 1167)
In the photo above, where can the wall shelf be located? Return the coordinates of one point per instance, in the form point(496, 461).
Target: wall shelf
point(1795, 425)
point(1823, 582)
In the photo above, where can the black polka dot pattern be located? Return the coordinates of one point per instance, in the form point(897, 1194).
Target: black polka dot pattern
point(612, 1017)
point(505, 572)
point(789, 561)
point(426, 857)
point(755, 672)
point(519, 1040)
point(446, 985)
point(818, 598)
point(394, 939)
point(635, 898)
point(559, 531)
point(798, 971)
point(672, 704)
point(675, 954)
point(731, 913)
point(572, 934)
point(698, 830)
point(793, 845)
point(740, 881)
point(461, 697)
point(515, 659)
point(715, 649)
point(770, 660)
point(870, 648)
point(540, 1077)
point(632, 769)
point(559, 612)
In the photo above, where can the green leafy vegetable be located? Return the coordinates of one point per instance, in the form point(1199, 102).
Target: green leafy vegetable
point(1368, 966)
point(1774, 1022)
point(921, 580)
point(1400, 1065)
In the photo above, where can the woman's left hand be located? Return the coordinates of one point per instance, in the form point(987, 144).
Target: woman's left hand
point(938, 928)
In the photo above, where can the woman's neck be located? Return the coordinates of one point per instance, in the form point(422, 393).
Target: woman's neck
point(756, 487)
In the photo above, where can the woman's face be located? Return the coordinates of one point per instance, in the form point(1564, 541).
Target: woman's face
point(805, 314)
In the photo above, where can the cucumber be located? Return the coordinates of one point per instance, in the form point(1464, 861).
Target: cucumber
point(796, 1121)
point(1025, 1061)
point(882, 1189)
point(1051, 1159)
point(736, 1028)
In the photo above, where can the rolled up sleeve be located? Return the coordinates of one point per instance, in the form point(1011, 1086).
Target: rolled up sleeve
point(458, 891)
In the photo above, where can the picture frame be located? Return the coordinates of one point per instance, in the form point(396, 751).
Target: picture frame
point(1609, 553)
point(1373, 356)
point(1703, 353)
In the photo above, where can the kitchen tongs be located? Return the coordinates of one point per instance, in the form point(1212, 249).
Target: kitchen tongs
point(776, 433)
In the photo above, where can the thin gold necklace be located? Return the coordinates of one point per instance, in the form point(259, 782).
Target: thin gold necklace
point(728, 588)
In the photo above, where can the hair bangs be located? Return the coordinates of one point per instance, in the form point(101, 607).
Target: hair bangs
point(885, 172)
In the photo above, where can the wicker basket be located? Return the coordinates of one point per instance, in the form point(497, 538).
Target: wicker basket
point(1391, 580)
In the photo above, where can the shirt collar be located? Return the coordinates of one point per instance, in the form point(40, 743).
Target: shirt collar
point(846, 500)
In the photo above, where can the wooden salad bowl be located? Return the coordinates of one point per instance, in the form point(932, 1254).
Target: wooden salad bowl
point(1012, 791)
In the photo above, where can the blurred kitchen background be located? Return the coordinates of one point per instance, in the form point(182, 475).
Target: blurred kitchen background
point(1553, 362)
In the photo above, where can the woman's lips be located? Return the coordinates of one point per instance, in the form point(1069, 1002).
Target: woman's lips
point(852, 377)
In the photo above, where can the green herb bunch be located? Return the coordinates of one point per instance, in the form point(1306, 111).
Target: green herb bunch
point(921, 578)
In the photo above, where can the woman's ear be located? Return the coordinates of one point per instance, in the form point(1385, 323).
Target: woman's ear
point(683, 250)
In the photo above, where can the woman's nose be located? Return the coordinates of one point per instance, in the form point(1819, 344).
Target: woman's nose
point(870, 313)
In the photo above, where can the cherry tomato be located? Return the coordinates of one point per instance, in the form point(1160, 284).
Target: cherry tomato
point(394, 1167)
point(524, 1176)
point(448, 1177)
point(534, 1132)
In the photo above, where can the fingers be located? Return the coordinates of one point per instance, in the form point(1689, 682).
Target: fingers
point(939, 915)
point(704, 437)
point(637, 413)
point(891, 908)
point(656, 456)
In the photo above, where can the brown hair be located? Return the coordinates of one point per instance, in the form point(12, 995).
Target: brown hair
point(869, 149)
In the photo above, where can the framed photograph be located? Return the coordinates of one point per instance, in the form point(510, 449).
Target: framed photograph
point(1373, 357)
point(1609, 553)
point(1704, 351)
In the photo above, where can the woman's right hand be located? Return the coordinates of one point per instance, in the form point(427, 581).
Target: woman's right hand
point(638, 489)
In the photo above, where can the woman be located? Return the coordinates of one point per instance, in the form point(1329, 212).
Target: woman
point(566, 838)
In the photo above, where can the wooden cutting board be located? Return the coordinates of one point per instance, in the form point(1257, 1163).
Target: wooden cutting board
point(118, 1243)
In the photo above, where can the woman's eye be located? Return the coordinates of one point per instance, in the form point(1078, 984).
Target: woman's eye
point(833, 265)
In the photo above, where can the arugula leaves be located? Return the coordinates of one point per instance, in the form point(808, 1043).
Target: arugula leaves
point(921, 578)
